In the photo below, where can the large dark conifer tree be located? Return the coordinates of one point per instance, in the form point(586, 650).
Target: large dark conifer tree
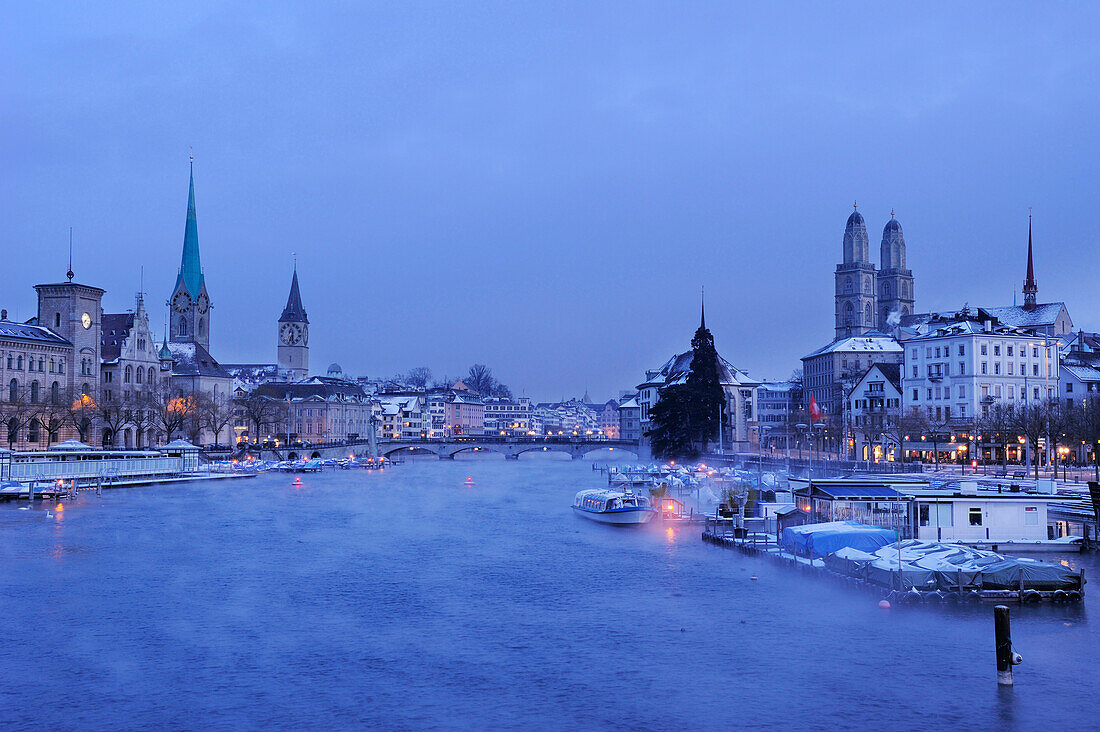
point(686, 416)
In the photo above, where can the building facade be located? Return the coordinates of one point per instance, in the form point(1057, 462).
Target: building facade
point(963, 364)
point(874, 406)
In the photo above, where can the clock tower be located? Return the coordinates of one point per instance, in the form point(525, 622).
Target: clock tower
point(190, 304)
point(294, 335)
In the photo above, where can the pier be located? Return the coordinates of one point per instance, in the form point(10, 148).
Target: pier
point(948, 588)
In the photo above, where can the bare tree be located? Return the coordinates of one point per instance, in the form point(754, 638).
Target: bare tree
point(261, 410)
point(143, 415)
point(82, 412)
point(172, 410)
point(899, 427)
point(1031, 421)
point(217, 413)
point(113, 415)
point(480, 379)
point(419, 377)
point(18, 413)
point(998, 427)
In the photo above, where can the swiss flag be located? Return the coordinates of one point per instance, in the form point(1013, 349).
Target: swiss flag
point(815, 411)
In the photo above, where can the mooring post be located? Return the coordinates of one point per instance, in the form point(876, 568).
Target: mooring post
point(1006, 658)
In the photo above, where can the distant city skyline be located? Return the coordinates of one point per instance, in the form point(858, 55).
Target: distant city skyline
point(549, 199)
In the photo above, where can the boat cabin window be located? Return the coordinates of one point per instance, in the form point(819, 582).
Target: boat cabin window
point(1031, 515)
point(975, 517)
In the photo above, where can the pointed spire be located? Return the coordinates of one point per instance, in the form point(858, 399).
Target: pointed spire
point(70, 274)
point(190, 267)
point(294, 312)
point(1031, 287)
point(702, 308)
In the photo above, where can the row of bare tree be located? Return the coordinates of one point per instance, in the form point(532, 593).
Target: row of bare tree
point(1003, 424)
point(158, 411)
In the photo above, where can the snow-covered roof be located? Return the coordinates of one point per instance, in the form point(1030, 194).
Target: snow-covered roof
point(191, 359)
point(1082, 372)
point(869, 342)
point(631, 403)
point(677, 368)
point(1017, 316)
point(29, 332)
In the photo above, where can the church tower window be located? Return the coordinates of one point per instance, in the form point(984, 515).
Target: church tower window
point(182, 330)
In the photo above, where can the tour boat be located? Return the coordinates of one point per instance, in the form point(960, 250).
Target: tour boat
point(613, 507)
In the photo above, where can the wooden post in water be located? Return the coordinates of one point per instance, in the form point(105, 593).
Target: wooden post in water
point(1004, 645)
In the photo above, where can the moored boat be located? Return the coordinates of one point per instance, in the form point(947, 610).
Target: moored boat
point(613, 507)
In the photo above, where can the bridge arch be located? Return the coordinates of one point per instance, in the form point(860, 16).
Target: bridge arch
point(393, 449)
point(292, 456)
point(585, 449)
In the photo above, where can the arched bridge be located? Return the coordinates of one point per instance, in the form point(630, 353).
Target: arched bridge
point(510, 448)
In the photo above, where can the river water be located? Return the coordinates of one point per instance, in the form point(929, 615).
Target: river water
point(408, 599)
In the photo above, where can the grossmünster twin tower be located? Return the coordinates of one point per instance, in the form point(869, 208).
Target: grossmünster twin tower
point(870, 298)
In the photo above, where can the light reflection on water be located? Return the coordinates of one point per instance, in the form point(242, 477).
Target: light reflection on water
point(412, 599)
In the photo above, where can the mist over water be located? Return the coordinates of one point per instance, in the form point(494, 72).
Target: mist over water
point(407, 599)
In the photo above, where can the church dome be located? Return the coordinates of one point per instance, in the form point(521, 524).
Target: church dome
point(334, 368)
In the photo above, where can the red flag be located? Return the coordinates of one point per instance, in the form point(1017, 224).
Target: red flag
point(815, 412)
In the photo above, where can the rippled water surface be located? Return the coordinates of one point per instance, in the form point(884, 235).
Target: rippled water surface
point(410, 600)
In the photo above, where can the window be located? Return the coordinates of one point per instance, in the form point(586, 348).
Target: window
point(962, 349)
point(962, 391)
point(914, 371)
point(984, 371)
point(1010, 350)
point(57, 320)
point(1069, 388)
point(937, 352)
point(985, 349)
point(975, 517)
point(928, 352)
point(1031, 515)
point(1034, 369)
point(996, 368)
point(916, 395)
point(34, 392)
point(996, 349)
point(935, 514)
point(1010, 365)
point(930, 393)
point(128, 375)
point(1035, 352)
point(962, 368)
point(55, 393)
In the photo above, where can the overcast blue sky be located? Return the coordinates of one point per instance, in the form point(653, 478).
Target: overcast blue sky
point(543, 187)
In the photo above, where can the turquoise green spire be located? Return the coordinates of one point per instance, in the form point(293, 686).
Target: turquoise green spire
point(190, 267)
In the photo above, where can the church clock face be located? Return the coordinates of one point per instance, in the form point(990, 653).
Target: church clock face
point(86, 321)
point(203, 304)
point(292, 334)
point(181, 301)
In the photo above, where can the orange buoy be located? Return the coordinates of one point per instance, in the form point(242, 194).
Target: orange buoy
point(60, 507)
point(884, 604)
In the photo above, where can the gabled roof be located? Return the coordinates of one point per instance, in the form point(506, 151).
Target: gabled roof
point(114, 330)
point(892, 372)
point(320, 387)
point(1018, 316)
point(677, 368)
point(191, 359)
point(870, 342)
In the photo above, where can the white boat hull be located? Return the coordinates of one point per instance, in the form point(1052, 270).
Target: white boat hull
point(619, 516)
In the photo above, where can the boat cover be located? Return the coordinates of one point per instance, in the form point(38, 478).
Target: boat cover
point(819, 540)
point(1034, 575)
